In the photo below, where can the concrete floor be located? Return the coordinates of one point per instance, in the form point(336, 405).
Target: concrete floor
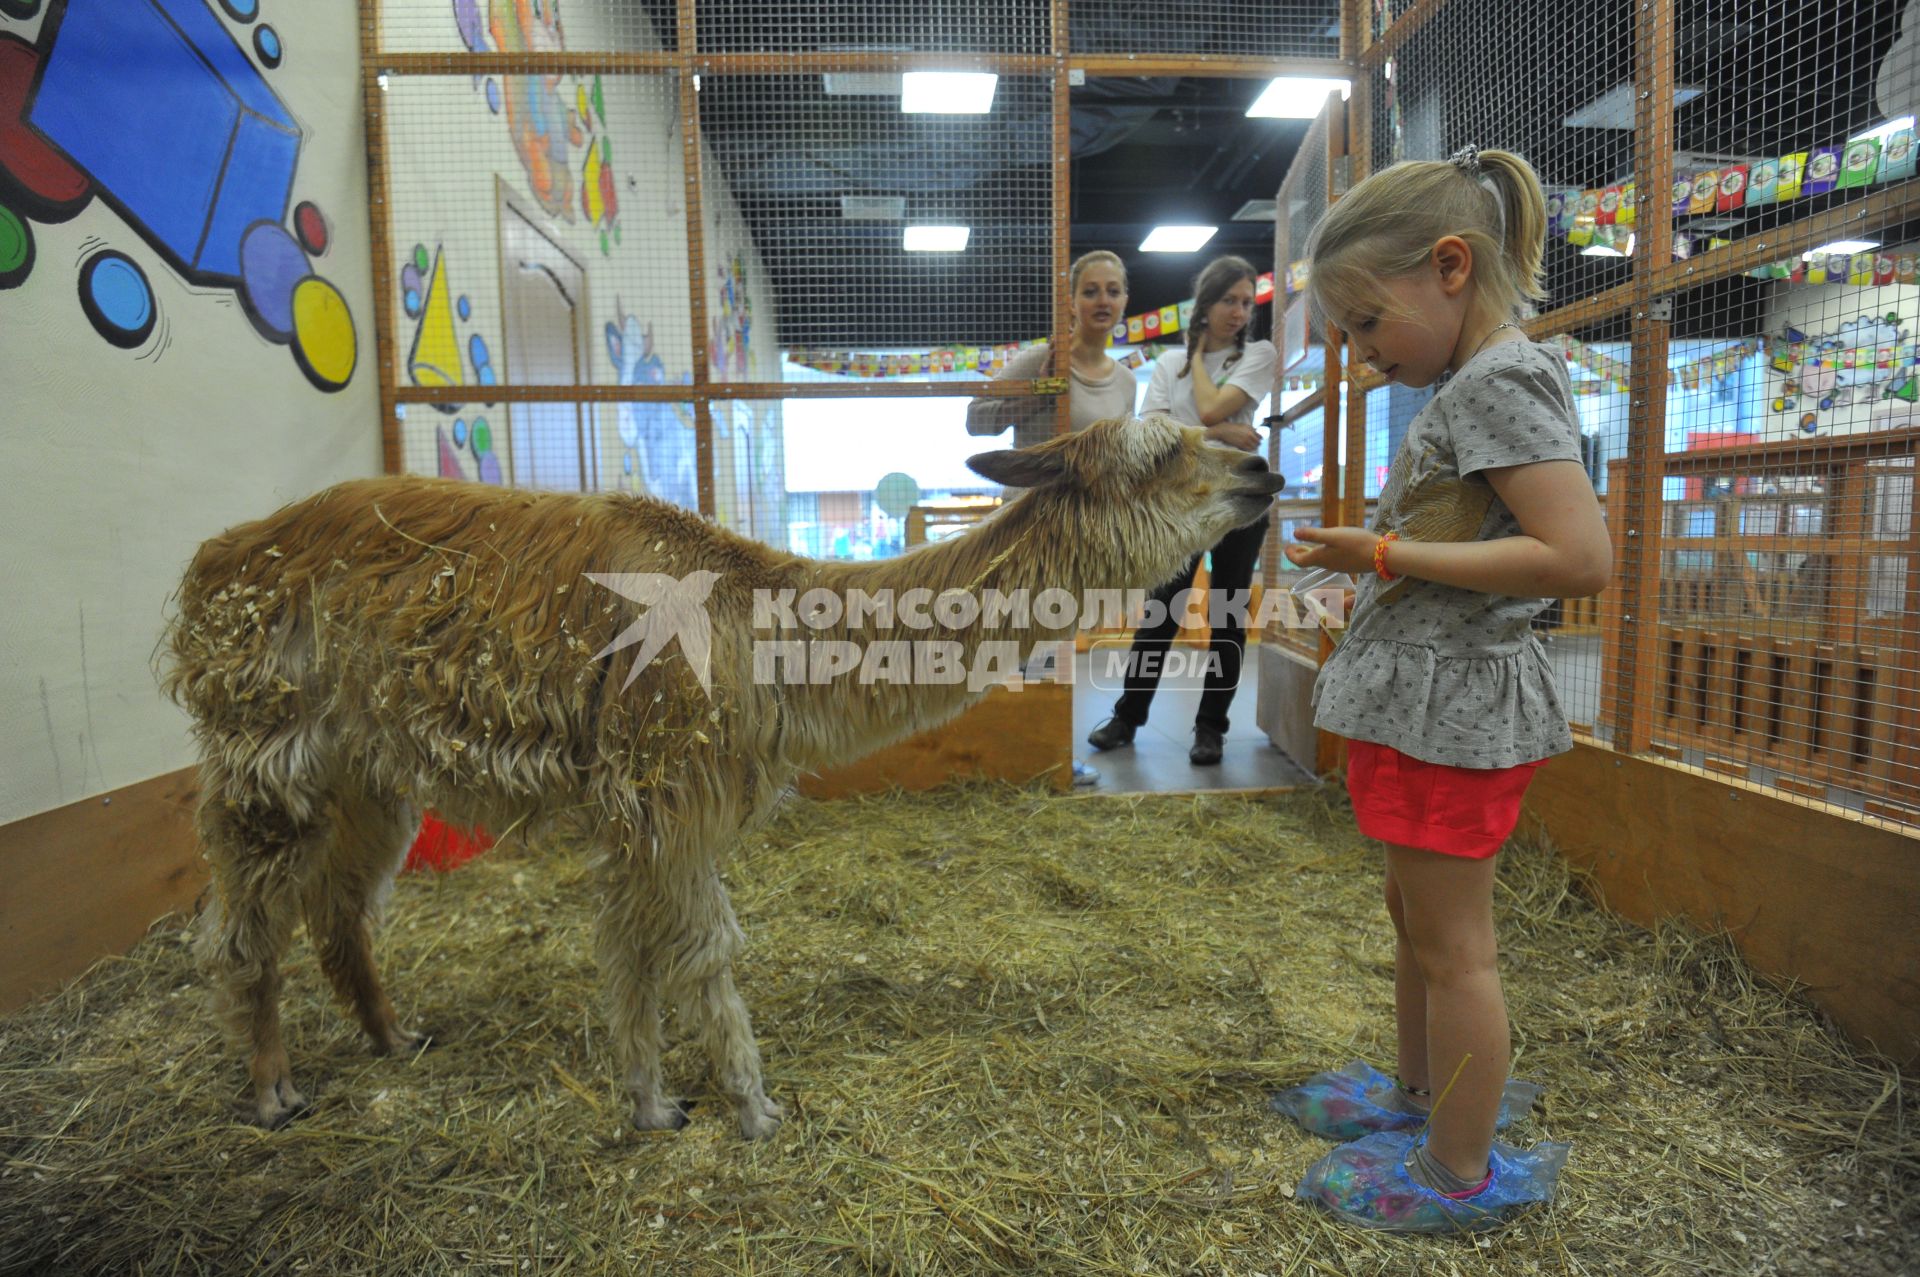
point(1156, 762)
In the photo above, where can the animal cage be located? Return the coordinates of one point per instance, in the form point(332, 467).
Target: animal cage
point(1729, 267)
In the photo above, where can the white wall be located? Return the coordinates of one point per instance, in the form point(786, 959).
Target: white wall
point(119, 462)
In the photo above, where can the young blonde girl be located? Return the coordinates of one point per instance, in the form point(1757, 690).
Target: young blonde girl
point(1439, 684)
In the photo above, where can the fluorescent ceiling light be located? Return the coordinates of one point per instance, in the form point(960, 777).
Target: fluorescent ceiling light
point(1294, 98)
point(1601, 250)
point(936, 239)
point(1255, 211)
point(1839, 246)
point(1885, 130)
point(1614, 108)
point(1177, 239)
point(947, 92)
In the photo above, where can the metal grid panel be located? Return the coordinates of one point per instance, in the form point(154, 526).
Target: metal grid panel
point(1382, 14)
point(829, 184)
point(750, 470)
point(1302, 201)
point(1245, 28)
point(1746, 387)
point(1600, 366)
point(1470, 72)
point(510, 27)
point(1473, 73)
point(973, 26)
point(841, 478)
point(487, 209)
point(562, 446)
point(1787, 622)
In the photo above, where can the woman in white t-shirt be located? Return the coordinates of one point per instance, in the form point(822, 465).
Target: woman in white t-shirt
point(1215, 384)
point(1099, 388)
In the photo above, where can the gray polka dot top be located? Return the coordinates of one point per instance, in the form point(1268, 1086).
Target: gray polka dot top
point(1443, 674)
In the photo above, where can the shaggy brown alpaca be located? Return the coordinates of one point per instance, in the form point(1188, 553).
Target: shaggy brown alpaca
point(396, 644)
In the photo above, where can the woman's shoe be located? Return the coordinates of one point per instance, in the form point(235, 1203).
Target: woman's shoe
point(1112, 734)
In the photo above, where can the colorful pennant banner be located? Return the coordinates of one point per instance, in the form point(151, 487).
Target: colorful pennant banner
point(1583, 216)
point(1138, 331)
point(1790, 352)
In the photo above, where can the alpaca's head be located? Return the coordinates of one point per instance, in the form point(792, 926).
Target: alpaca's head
point(1149, 487)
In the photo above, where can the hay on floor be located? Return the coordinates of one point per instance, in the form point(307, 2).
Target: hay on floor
point(1014, 1034)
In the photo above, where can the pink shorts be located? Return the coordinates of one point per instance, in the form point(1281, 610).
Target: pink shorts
point(1456, 811)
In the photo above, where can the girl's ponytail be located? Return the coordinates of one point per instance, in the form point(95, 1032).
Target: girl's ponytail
point(1524, 210)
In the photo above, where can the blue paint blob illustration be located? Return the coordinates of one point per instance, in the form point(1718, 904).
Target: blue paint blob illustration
point(486, 375)
point(464, 307)
point(266, 43)
point(117, 298)
point(493, 95)
point(459, 432)
point(241, 10)
point(478, 353)
point(412, 302)
point(271, 264)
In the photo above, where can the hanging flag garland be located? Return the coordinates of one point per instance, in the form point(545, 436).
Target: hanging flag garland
point(1138, 331)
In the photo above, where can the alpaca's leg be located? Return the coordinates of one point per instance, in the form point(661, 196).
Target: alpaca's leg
point(354, 871)
point(704, 968)
point(259, 855)
point(629, 955)
point(731, 1046)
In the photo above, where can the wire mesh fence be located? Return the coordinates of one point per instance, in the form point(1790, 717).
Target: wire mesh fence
point(1730, 266)
point(1256, 28)
point(614, 241)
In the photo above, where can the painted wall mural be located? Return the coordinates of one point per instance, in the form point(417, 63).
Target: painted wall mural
point(1867, 362)
point(730, 335)
point(466, 450)
point(657, 441)
point(750, 435)
point(558, 123)
point(197, 155)
point(438, 357)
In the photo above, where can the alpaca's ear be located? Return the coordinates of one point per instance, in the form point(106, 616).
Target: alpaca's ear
point(1019, 467)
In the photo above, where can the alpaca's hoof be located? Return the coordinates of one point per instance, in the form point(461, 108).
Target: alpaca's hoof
point(760, 1117)
point(402, 1042)
point(662, 1115)
point(276, 1105)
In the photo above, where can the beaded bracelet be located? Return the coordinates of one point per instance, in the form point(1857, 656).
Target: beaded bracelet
point(1380, 557)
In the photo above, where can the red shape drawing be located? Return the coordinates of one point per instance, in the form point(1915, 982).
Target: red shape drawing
point(45, 185)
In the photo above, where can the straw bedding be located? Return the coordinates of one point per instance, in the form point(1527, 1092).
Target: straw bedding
point(1014, 1034)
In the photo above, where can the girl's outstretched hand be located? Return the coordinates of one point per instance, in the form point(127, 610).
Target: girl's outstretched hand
point(1348, 550)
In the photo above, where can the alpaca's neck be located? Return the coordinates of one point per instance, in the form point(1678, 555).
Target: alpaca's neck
point(1027, 548)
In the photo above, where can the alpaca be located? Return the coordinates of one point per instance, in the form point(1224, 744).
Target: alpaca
point(394, 644)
